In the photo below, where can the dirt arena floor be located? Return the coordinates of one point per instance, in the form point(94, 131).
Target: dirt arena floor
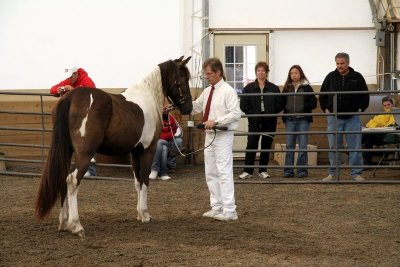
point(279, 225)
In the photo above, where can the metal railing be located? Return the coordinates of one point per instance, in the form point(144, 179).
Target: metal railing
point(38, 163)
point(337, 149)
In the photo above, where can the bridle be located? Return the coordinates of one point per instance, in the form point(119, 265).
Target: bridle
point(177, 85)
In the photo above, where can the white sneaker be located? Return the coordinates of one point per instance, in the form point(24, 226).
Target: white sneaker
point(87, 174)
point(329, 178)
point(264, 175)
point(358, 178)
point(212, 213)
point(245, 175)
point(165, 178)
point(153, 175)
point(226, 216)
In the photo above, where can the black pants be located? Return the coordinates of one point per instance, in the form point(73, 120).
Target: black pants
point(265, 125)
point(370, 140)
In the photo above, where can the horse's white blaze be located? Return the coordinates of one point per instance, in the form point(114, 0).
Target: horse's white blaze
point(143, 203)
point(73, 218)
point(91, 101)
point(137, 187)
point(82, 129)
point(148, 95)
point(63, 217)
point(137, 183)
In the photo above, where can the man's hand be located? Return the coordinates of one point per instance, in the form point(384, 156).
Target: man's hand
point(63, 89)
point(210, 124)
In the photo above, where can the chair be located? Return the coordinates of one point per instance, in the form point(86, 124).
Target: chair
point(390, 156)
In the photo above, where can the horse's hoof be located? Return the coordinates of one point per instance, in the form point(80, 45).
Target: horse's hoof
point(146, 219)
point(63, 227)
point(81, 234)
point(60, 230)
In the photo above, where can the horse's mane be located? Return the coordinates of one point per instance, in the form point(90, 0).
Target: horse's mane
point(151, 85)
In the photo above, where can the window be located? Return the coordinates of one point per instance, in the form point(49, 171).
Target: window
point(240, 61)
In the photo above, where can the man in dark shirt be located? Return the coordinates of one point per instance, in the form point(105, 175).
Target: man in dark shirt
point(344, 79)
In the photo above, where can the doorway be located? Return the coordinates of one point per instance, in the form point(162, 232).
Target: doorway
point(239, 54)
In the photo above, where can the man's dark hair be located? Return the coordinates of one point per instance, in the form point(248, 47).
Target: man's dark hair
point(343, 55)
point(215, 65)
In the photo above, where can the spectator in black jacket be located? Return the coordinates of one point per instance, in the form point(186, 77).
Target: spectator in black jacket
point(344, 79)
point(267, 104)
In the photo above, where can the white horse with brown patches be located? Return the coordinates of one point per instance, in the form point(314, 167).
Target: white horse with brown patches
point(89, 121)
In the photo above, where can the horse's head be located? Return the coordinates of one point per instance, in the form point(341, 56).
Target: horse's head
point(175, 79)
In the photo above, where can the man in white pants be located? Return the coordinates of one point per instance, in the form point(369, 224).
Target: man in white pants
point(220, 106)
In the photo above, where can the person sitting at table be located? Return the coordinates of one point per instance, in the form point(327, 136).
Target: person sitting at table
point(371, 139)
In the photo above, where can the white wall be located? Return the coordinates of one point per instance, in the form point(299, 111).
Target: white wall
point(117, 42)
point(306, 32)
point(289, 13)
point(315, 52)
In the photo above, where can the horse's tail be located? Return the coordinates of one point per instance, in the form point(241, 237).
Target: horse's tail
point(53, 180)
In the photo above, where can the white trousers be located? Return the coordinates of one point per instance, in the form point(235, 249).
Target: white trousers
point(218, 163)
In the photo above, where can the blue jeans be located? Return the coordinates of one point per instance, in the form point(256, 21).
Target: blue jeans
point(160, 158)
point(296, 125)
point(353, 142)
point(171, 160)
point(92, 167)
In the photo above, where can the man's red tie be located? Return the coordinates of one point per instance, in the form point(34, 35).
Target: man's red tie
point(207, 110)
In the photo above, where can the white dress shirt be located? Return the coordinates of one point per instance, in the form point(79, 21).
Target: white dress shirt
point(224, 105)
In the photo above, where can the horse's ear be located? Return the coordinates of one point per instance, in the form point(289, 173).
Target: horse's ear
point(179, 59)
point(186, 61)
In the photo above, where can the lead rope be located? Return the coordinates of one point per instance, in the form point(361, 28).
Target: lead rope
point(170, 107)
point(176, 145)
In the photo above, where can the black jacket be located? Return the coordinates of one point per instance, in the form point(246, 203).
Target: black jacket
point(305, 103)
point(335, 82)
point(252, 104)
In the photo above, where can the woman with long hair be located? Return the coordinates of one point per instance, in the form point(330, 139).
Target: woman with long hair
point(296, 105)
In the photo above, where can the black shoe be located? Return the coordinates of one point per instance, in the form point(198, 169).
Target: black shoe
point(302, 175)
point(288, 175)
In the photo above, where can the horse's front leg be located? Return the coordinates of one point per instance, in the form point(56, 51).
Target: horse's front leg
point(143, 212)
point(73, 224)
point(63, 216)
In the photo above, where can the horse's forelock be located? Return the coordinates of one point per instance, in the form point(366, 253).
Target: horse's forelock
point(187, 72)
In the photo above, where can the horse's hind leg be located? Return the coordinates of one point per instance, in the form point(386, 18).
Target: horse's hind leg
point(63, 216)
point(73, 224)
